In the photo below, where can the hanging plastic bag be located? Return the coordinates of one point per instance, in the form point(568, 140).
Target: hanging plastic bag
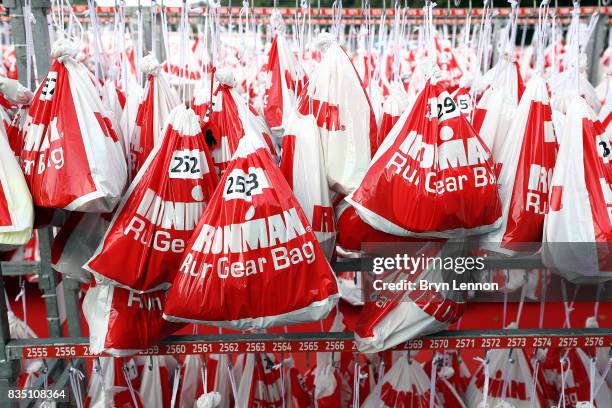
point(284, 82)
point(260, 384)
point(191, 381)
point(298, 393)
point(218, 377)
point(122, 322)
point(146, 239)
point(582, 382)
point(327, 382)
point(527, 161)
point(396, 103)
point(72, 158)
point(497, 106)
point(405, 384)
point(303, 166)
point(335, 96)
point(254, 261)
point(228, 120)
point(16, 210)
point(395, 317)
point(113, 383)
point(76, 242)
point(152, 114)
point(156, 380)
point(580, 189)
point(504, 378)
point(432, 177)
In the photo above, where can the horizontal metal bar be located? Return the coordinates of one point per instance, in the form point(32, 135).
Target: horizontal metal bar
point(20, 268)
point(313, 342)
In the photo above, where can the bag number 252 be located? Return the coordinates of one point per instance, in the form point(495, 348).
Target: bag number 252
point(187, 164)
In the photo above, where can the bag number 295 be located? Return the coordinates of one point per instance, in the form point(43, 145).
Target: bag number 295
point(444, 107)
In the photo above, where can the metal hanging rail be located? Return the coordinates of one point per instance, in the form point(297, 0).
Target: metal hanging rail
point(320, 342)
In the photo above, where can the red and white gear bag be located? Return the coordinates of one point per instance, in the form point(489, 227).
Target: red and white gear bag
point(146, 239)
point(254, 261)
point(191, 381)
point(285, 78)
point(497, 106)
point(218, 377)
point(113, 384)
point(76, 242)
point(229, 120)
point(336, 97)
point(405, 385)
point(16, 210)
point(327, 382)
point(159, 99)
point(298, 393)
point(389, 321)
point(155, 380)
point(260, 384)
point(582, 383)
point(432, 176)
point(580, 191)
point(72, 157)
point(510, 381)
point(303, 166)
point(122, 322)
point(527, 160)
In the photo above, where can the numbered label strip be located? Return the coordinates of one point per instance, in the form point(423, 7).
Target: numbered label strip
point(293, 346)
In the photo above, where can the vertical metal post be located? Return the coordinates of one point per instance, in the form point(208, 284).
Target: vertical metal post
point(595, 47)
point(9, 369)
point(47, 281)
point(40, 33)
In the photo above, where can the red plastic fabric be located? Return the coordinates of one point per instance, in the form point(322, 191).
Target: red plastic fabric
point(146, 239)
point(254, 261)
point(433, 178)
